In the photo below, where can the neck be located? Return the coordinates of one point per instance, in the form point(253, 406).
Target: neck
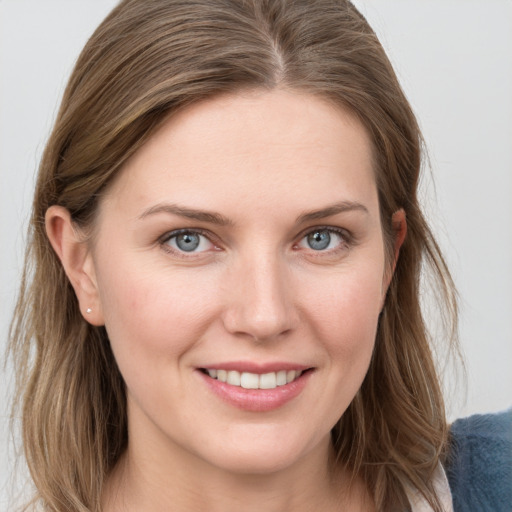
point(158, 474)
point(138, 484)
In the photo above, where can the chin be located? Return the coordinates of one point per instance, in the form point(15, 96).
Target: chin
point(260, 456)
point(256, 464)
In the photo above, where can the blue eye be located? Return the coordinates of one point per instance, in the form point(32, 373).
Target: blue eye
point(321, 240)
point(188, 241)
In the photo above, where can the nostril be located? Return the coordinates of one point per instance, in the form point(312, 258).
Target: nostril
point(257, 327)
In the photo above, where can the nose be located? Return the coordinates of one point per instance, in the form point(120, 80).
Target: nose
point(260, 303)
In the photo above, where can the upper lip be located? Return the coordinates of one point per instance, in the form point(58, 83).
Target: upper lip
point(255, 367)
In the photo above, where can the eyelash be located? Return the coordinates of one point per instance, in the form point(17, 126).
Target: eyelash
point(163, 241)
point(347, 240)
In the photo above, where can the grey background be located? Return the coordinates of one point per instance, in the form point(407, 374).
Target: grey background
point(454, 59)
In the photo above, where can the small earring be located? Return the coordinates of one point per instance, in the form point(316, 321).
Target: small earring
point(89, 310)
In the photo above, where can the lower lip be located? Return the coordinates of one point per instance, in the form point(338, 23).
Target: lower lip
point(257, 400)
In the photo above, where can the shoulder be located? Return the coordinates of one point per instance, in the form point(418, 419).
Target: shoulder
point(479, 464)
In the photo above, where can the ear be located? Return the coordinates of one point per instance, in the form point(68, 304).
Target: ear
point(399, 227)
point(77, 261)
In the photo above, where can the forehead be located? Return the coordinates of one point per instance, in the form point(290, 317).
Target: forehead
point(284, 145)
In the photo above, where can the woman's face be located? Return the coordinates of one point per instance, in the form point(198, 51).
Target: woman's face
point(243, 240)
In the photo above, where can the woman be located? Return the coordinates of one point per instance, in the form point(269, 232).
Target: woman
point(221, 290)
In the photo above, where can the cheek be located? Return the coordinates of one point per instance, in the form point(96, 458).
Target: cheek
point(153, 315)
point(344, 313)
point(347, 298)
point(342, 316)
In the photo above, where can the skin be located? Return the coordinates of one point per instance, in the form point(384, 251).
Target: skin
point(255, 290)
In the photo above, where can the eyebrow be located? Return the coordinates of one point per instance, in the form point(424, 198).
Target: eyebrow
point(329, 211)
point(220, 220)
point(189, 213)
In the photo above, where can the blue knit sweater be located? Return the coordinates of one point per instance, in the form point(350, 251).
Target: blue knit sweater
point(479, 467)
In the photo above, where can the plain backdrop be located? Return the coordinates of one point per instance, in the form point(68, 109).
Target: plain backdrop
point(454, 60)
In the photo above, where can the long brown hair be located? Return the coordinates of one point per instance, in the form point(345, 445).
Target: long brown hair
point(147, 60)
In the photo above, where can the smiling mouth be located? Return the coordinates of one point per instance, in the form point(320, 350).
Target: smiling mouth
point(249, 380)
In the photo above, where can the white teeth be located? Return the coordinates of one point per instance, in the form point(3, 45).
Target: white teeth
point(249, 380)
point(268, 381)
point(233, 378)
point(290, 376)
